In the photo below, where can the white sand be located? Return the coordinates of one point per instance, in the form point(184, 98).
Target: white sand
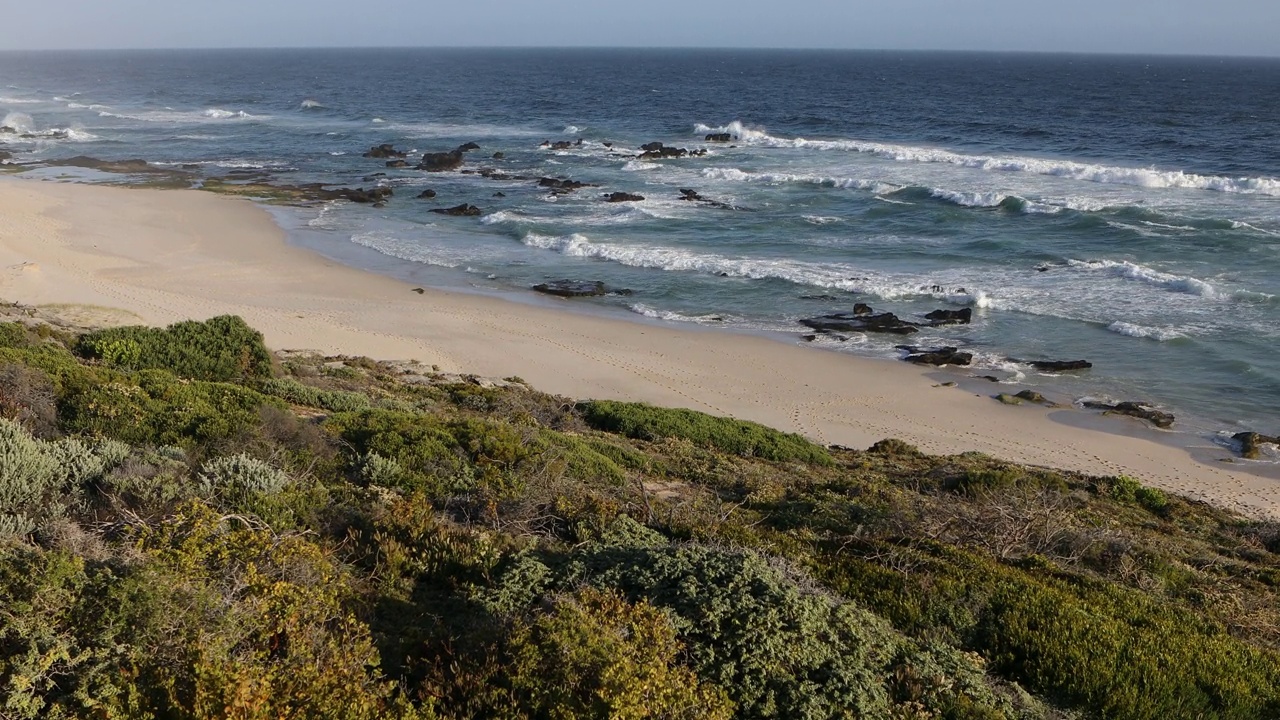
point(128, 255)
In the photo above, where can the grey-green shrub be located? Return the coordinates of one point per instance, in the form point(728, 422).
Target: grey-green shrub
point(16, 525)
point(27, 471)
point(238, 476)
point(378, 470)
point(80, 462)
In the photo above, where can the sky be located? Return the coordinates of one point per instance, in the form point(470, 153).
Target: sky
point(1191, 27)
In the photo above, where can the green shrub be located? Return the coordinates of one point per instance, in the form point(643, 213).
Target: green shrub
point(155, 408)
point(81, 462)
point(297, 393)
point(739, 437)
point(27, 395)
point(381, 471)
point(221, 349)
point(13, 335)
point(1128, 490)
point(15, 526)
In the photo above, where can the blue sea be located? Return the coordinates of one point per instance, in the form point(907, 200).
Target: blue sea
point(1123, 210)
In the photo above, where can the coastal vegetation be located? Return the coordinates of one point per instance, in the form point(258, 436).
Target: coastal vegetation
point(194, 527)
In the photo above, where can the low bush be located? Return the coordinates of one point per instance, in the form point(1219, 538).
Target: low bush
point(646, 422)
point(239, 476)
point(296, 393)
point(220, 349)
point(27, 396)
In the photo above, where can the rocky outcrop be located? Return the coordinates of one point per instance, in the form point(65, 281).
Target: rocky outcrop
point(937, 356)
point(562, 185)
point(113, 166)
point(383, 151)
point(950, 317)
point(445, 161)
point(1055, 365)
point(463, 210)
point(658, 151)
point(1251, 444)
point(693, 196)
point(397, 163)
point(426, 194)
point(360, 195)
point(622, 197)
point(850, 322)
point(718, 137)
point(1135, 409)
point(577, 288)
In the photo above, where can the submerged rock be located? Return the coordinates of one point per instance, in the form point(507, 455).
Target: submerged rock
point(937, 356)
point(426, 194)
point(397, 164)
point(578, 288)
point(561, 184)
point(1251, 444)
point(113, 166)
point(360, 195)
point(463, 210)
point(441, 161)
point(385, 150)
point(719, 137)
point(658, 151)
point(1135, 409)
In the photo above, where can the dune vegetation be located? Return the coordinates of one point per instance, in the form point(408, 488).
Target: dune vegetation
point(194, 527)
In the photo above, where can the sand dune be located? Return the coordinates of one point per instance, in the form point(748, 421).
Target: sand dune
point(114, 255)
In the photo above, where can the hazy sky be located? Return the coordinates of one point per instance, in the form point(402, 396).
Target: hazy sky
point(1231, 27)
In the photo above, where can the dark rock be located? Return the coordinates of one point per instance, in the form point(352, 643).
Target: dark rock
point(6, 130)
point(360, 195)
point(862, 309)
point(385, 150)
point(658, 151)
point(1055, 365)
point(419, 290)
point(573, 288)
point(380, 204)
point(938, 356)
point(848, 322)
point(499, 155)
point(467, 147)
point(622, 197)
point(111, 166)
point(951, 317)
point(691, 195)
point(719, 137)
point(462, 210)
point(426, 194)
point(561, 185)
point(184, 166)
point(827, 298)
point(562, 145)
point(397, 164)
point(1032, 396)
point(988, 378)
point(1009, 399)
point(1251, 444)
point(374, 176)
point(607, 144)
point(1135, 409)
point(499, 194)
point(441, 161)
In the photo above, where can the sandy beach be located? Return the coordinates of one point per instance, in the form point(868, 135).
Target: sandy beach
point(105, 255)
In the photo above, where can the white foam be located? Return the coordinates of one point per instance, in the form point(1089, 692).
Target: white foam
point(571, 130)
point(19, 101)
point(640, 166)
point(737, 175)
point(220, 114)
point(1141, 273)
point(1086, 172)
point(834, 276)
point(378, 120)
point(1239, 225)
point(310, 104)
point(501, 216)
point(669, 315)
point(971, 199)
point(1142, 331)
point(821, 219)
point(21, 122)
point(405, 249)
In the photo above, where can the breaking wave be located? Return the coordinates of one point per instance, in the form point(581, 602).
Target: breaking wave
point(1087, 172)
point(1142, 331)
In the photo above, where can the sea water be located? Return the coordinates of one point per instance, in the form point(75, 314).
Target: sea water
point(1124, 210)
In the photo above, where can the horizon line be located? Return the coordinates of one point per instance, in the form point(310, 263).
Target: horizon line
point(717, 48)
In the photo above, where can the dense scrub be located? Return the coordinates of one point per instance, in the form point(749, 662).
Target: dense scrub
point(190, 528)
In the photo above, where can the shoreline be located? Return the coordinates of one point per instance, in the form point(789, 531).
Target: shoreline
point(167, 255)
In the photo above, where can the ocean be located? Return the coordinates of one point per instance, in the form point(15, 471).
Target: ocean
point(1123, 210)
